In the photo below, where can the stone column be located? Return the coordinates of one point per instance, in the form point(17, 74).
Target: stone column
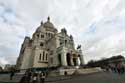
point(63, 59)
point(78, 61)
point(72, 61)
point(81, 57)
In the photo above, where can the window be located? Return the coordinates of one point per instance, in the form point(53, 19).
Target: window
point(37, 35)
point(42, 36)
point(41, 44)
point(60, 43)
point(65, 41)
point(40, 57)
point(43, 55)
point(59, 58)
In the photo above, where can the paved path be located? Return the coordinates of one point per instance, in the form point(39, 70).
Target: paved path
point(102, 77)
point(94, 78)
point(5, 78)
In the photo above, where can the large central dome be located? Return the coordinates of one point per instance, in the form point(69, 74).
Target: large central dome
point(47, 25)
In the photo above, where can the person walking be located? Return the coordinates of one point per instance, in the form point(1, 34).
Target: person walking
point(42, 77)
point(31, 77)
point(35, 78)
point(38, 78)
point(11, 75)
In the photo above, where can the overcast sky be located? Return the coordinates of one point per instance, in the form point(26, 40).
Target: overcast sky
point(98, 25)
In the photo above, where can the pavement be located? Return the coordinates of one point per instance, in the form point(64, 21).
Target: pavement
point(5, 78)
point(101, 77)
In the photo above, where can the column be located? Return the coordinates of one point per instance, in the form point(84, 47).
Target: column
point(81, 57)
point(72, 61)
point(78, 61)
point(63, 59)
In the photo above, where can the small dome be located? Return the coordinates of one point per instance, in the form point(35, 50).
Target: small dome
point(39, 29)
point(71, 37)
point(49, 26)
point(64, 31)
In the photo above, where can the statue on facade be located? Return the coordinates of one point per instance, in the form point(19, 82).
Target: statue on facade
point(78, 47)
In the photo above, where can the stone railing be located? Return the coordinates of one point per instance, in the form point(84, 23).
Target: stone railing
point(74, 71)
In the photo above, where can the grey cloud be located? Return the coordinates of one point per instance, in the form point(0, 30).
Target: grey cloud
point(78, 17)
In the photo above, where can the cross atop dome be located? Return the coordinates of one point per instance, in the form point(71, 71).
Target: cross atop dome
point(48, 19)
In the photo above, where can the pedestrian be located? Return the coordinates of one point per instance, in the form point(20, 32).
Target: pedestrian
point(11, 75)
point(42, 77)
point(65, 73)
point(38, 78)
point(31, 77)
point(35, 78)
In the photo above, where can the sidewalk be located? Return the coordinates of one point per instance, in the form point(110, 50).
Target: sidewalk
point(5, 78)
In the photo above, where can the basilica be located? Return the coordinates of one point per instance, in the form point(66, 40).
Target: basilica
point(49, 48)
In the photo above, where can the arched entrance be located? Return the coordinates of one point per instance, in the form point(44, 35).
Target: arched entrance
point(68, 58)
point(59, 59)
point(75, 59)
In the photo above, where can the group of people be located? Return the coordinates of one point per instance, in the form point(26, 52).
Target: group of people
point(117, 68)
point(30, 77)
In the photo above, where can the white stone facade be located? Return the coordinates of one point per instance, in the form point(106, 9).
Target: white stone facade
point(48, 48)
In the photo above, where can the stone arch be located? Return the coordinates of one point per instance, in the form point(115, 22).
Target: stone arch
point(68, 59)
point(75, 59)
point(59, 59)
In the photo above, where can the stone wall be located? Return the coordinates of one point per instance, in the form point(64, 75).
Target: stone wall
point(79, 71)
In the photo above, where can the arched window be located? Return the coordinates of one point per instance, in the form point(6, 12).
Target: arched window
point(42, 36)
point(68, 58)
point(59, 59)
point(37, 35)
point(40, 57)
point(43, 54)
point(60, 43)
point(65, 41)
